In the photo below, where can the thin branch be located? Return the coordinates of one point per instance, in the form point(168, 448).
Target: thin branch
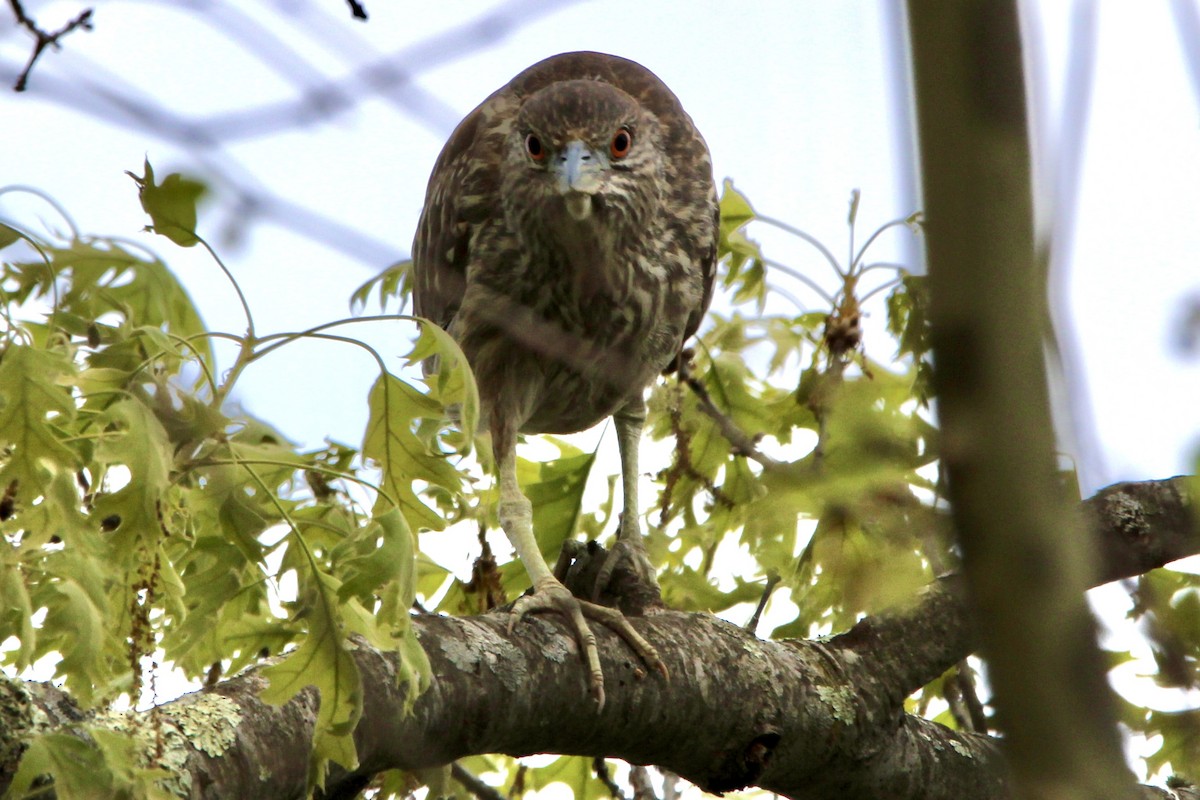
point(743, 444)
point(902, 221)
point(639, 779)
point(600, 767)
point(473, 784)
point(883, 287)
point(772, 580)
point(44, 39)
point(794, 273)
point(356, 9)
point(671, 781)
point(808, 237)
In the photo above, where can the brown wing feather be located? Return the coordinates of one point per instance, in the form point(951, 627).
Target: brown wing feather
point(463, 187)
point(440, 247)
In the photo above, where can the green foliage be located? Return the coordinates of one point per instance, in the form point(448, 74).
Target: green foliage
point(1167, 603)
point(839, 509)
point(322, 660)
point(171, 205)
point(140, 518)
point(392, 282)
point(79, 771)
point(576, 772)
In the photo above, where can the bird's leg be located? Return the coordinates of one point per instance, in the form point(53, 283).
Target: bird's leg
point(549, 594)
point(630, 547)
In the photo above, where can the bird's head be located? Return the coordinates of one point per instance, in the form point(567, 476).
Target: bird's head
point(583, 152)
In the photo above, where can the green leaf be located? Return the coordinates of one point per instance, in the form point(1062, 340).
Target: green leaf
point(736, 210)
point(34, 405)
point(385, 553)
point(81, 628)
point(16, 612)
point(555, 489)
point(133, 437)
point(323, 660)
point(454, 385)
point(392, 282)
point(391, 569)
point(689, 590)
point(391, 443)
point(171, 204)
point(8, 235)
point(78, 769)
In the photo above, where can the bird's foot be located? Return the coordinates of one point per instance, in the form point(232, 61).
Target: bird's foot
point(551, 595)
point(626, 576)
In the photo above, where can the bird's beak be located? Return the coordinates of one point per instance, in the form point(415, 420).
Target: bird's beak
point(578, 169)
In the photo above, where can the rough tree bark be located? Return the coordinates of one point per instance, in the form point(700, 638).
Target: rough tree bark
point(806, 719)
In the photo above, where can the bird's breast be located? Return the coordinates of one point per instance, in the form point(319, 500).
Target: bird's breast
point(582, 322)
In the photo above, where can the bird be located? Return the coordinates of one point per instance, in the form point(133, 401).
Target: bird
point(568, 244)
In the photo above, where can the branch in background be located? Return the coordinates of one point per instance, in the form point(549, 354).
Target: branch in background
point(773, 580)
point(356, 9)
point(743, 444)
point(639, 779)
point(671, 786)
point(471, 782)
point(392, 78)
point(600, 766)
point(43, 39)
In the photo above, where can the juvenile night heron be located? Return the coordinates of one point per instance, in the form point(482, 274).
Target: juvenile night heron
point(568, 243)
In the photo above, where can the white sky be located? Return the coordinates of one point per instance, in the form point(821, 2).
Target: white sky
point(794, 97)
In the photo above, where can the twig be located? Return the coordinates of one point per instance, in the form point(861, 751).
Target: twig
point(682, 465)
point(42, 39)
point(356, 9)
point(743, 444)
point(959, 693)
point(772, 580)
point(670, 785)
point(639, 779)
point(964, 677)
point(600, 766)
point(473, 784)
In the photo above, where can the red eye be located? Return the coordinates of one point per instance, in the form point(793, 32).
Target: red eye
point(533, 146)
point(621, 142)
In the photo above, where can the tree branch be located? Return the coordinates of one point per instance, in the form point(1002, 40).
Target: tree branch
point(806, 719)
point(43, 39)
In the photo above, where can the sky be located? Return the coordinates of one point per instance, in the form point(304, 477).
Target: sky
point(801, 101)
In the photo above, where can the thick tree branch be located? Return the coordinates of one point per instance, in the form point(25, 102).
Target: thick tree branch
point(806, 719)
point(1135, 527)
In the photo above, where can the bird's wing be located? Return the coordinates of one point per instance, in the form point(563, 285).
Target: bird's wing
point(462, 194)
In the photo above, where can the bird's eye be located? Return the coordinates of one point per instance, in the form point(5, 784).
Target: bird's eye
point(621, 142)
point(533, 146)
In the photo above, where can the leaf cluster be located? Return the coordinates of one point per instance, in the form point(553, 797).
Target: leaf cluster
point(145, 523)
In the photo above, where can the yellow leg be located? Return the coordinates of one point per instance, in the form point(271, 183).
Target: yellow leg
point(549, 595)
